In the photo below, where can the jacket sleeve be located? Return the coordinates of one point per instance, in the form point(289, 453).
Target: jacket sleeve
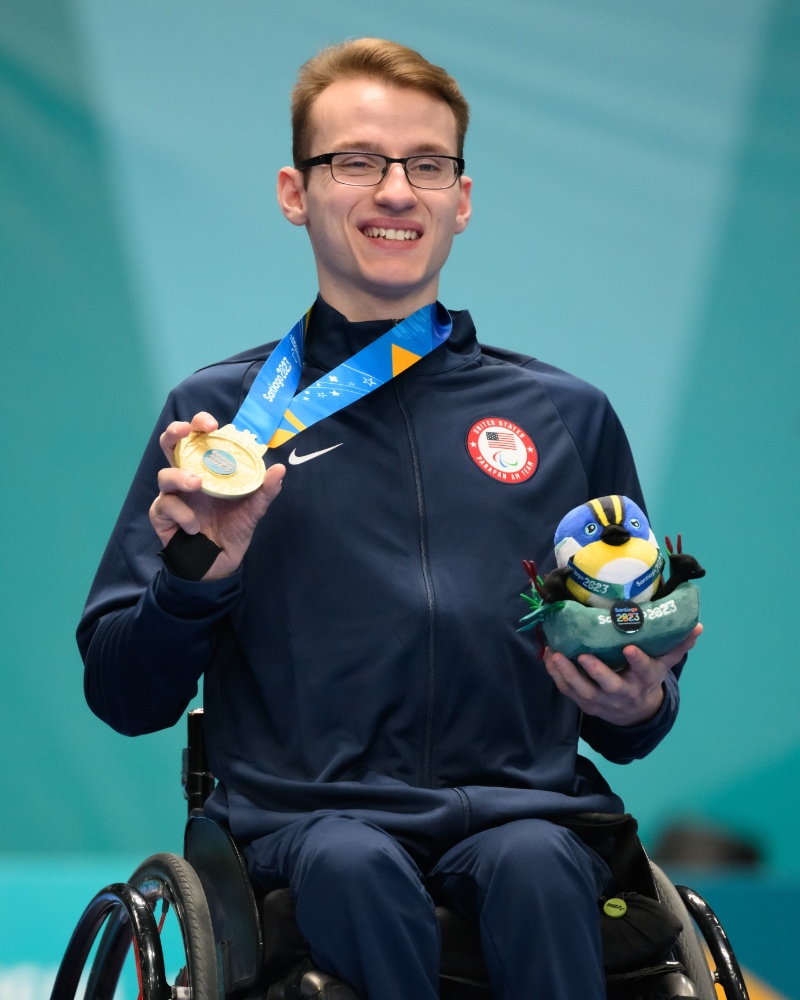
point(146, 636)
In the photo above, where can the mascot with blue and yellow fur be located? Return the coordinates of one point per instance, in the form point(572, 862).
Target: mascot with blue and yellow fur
point(608, 590)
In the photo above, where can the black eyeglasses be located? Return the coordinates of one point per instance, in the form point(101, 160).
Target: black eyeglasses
point(430, 172)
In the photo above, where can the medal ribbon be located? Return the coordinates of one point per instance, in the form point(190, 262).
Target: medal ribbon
point(603, 588)
point(273, 412)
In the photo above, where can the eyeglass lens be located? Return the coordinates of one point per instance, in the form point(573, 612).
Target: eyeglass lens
point(366, 169)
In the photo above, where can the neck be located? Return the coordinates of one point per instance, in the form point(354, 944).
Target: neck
point(360, 308)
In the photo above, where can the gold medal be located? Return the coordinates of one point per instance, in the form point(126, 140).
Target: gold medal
point(229, 461)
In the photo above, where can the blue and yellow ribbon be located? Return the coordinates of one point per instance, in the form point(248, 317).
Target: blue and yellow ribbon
point(275, 414)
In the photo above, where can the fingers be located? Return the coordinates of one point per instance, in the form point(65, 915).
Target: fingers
point(628, 698)
point(581, 683)
point(600, 674)
point(229, 523)
point(202, 423)
point(174, 480)
point(623, 699)
point(168, 512)
point(639, 660)
point(249, 510)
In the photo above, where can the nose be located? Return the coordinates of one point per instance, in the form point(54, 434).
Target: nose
point(614, 534)
point(394, 187)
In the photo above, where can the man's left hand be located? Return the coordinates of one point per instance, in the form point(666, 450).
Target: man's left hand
point(626, 698)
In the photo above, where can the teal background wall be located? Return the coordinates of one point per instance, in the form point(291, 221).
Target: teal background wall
point(637, 197)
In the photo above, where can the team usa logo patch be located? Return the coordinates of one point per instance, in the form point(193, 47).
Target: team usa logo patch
point(502, 450)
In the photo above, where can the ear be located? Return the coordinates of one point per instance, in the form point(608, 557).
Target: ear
point(291, 193)
point(464, 204)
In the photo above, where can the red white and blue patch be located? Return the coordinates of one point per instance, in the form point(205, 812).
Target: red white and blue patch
point(502, 450)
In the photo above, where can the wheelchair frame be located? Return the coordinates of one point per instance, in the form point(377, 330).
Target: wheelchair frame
point(238, 948)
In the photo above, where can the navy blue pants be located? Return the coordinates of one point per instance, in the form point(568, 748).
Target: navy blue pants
point(364, 907)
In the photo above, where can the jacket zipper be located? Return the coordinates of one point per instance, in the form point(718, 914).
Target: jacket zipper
point(426, 764)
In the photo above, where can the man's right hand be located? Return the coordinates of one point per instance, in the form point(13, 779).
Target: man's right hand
point(181, 503)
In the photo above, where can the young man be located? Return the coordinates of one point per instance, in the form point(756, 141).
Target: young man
point(380, 731)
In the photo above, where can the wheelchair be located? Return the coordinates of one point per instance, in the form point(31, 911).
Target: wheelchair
point(192, 927)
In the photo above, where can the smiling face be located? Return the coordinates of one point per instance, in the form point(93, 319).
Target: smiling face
point(378, 250)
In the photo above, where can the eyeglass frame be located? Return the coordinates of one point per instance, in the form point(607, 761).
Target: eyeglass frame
point(327, 158)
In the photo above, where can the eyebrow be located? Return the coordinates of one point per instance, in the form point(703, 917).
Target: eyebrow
point(360, 146)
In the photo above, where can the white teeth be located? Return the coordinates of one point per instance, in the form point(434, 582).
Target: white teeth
point(391, 234)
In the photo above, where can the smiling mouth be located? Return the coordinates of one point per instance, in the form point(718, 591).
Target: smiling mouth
point(378, 232)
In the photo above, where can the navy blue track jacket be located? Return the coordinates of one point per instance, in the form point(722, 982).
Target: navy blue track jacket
point(366, 656)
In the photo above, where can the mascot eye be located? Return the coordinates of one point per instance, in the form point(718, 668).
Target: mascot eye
point(590, 529)
point(635, 522)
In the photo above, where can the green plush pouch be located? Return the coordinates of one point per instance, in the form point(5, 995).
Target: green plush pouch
point(575, 628)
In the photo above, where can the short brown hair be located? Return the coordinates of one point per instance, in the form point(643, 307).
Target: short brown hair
point(389, 62)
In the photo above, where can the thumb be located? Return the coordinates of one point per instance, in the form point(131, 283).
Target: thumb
point(270, 487)
point(273, 481)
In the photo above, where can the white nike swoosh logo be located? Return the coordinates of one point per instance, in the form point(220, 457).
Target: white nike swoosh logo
point(295, 459)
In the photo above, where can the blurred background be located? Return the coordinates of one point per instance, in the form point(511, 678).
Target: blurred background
point(636, 221)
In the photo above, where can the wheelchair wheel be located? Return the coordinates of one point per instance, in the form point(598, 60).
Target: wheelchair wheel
point(173, 893)
point(122, 904)
point(688, 950)
point(727, 974)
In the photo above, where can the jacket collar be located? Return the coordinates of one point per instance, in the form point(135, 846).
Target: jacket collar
point(331, 338)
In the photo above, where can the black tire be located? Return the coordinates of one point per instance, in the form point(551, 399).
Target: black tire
point(170, 886)
point(689, 950)
point(168, 882)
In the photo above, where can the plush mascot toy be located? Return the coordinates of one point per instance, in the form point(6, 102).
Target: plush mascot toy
point(608, 590)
